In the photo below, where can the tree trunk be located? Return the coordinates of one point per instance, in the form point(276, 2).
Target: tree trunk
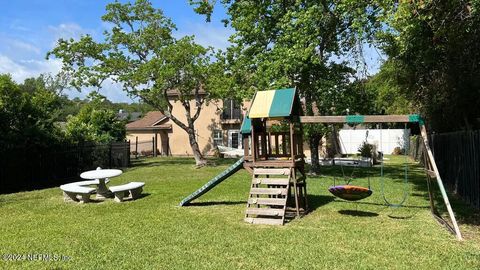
point(314, 141)
point(200, 161)
point(189, 127)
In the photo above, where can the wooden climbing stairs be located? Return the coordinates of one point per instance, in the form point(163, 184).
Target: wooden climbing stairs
point(270, 195)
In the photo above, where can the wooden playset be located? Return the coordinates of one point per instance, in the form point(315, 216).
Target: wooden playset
point(273, 154)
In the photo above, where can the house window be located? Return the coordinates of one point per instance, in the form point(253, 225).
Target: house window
point(231, 109)
point(235, 139)
point(217, 137)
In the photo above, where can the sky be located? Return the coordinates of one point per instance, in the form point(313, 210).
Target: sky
point(31, 28)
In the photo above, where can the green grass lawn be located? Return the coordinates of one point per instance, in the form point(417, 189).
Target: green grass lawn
point(154, 233)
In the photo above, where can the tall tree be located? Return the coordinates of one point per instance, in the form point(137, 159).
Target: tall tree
point(28, 117)
point(294, 43)
point(433, 51)
point(140, 52)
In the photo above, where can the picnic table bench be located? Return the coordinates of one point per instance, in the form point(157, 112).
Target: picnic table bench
point(131, 190)
point(73, 192)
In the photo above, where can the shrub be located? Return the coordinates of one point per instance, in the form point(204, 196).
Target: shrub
point(366, 150)
point(398, 151)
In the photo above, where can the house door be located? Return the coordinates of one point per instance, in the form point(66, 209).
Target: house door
point(234, 139)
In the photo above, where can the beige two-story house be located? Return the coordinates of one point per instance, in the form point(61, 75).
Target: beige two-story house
point(218, 124)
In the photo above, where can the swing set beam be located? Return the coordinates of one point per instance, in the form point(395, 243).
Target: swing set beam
point(409, 118)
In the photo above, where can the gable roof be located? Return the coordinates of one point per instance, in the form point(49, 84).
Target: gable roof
point(275, 103)
point(130, 117)
point(151, 120)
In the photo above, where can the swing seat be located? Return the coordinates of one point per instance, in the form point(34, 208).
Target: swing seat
point(350, 193)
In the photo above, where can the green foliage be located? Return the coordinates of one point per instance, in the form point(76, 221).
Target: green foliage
point(94, 123)
point(72, 107)
point(203, 7)
point(52, 83)
point(390, 96)
point(13, 105)
point(28, 113)
point(366, 150)
point(434, 59)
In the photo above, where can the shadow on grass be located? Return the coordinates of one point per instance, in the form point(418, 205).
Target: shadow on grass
point(213, 203)
point(357, 213)
point(384, 205)
point(400, 217)
point(316, 201)
point(141, 196)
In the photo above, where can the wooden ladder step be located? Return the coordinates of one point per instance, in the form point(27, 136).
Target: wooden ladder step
point(265, 212)
point(265, 221)
point(271, 181)
point(266, 201)
point(262, 171)
point(269, 191)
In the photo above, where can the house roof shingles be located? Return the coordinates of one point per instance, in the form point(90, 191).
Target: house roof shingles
point(150, 121)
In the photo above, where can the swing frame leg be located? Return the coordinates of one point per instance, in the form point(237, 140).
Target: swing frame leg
point(431, 158)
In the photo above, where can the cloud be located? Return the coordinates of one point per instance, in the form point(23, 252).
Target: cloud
point(113, 91)
point(20, 70)
point(207, 34)
point(68, 30)
point(18, 26)
point(16, 44)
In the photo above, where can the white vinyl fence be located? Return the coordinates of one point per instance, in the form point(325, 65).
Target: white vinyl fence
point(385, 139)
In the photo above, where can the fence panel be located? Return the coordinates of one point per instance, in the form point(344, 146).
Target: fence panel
point(29, 168)
point(143, 148)
point(457, 155)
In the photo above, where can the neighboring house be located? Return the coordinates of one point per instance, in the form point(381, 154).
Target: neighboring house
point(218, 124)
point(153, 127)
point(128, 116)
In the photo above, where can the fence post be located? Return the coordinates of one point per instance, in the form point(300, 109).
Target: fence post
point(136, 147)
point(153, 147)
point(127, 152)
point(110, 155)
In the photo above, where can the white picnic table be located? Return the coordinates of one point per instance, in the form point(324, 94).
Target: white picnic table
point(100, 175)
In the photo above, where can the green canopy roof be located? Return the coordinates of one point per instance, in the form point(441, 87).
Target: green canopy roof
point(246, 126)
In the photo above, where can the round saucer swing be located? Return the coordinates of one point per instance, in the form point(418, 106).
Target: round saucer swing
point(355, 193)
point(350, 192)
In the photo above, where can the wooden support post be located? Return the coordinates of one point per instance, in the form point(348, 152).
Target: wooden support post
point(277, 149)
point(269, 142)
point(254, 145)
point(264, 140)
point(292, 144)
point(295, 191)
point(431, 158)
